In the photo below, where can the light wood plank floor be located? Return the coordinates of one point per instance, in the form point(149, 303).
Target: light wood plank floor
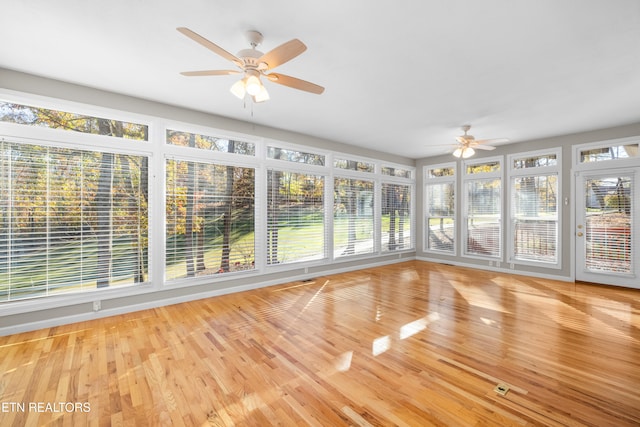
point(408, 344)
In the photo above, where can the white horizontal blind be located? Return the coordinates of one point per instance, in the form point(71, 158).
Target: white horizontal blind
point(440, 216)
point(396, 217)
point(608, 227)
point(534, 217)
point(295, 217)
point(353, 217)
point(483, 208)
point(210, 220)
point(70, 220)
point(534, 210)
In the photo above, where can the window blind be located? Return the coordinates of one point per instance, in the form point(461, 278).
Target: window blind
point(295, 217)
point(440, 216)
point(210, 220)
point(534, 217)
point(608, 227)
point(396, 217)
point(483, 211)
point(70, 220)
point(353, 217)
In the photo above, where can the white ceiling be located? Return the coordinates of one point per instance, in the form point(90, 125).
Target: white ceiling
point(401, 76)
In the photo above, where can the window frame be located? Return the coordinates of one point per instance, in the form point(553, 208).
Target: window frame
point(609, 163)
point(449, 179)
point(158, 153)
point(512, 174)
point(57, 138)
point(464, 216)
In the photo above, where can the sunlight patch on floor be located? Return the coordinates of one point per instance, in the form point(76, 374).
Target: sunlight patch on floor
point(344, 361)
point(478, 297)
point(416, 326)
point(380, 345)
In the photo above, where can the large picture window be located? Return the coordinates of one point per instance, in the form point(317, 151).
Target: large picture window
point(483, 208)
point(534, 207)
point(101, 202)
point(70, 220)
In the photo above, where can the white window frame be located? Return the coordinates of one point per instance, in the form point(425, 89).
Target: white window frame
point(615, 163)
point(512, 173)
point(464, 218)
point(441, 180)
point(158, 152)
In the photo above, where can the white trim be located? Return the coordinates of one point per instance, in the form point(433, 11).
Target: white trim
point(528, 172)
point(464, 219)
point(605, 164)
point(496, 269)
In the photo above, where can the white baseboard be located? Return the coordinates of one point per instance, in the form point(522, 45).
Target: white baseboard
point(90, 315)
point(498, 269)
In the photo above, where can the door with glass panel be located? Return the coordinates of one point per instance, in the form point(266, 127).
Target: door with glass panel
point(606, 234)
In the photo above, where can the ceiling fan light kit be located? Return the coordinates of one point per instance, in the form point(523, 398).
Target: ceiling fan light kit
point(467, 144)
point(254, 64)
point(464, 152)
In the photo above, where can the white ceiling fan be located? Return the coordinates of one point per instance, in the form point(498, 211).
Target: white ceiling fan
point(254, 64)
point(467, 144)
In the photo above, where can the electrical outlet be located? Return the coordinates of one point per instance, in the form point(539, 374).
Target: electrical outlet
point(97, 306)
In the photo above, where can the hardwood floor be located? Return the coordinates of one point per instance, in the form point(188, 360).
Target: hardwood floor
point(408, 344)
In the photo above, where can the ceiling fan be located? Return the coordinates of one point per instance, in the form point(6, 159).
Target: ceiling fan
point(254, 64)
point(467, 144)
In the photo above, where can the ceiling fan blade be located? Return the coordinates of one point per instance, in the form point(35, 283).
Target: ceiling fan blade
point(210, 45)
point(295, 83)
point(283, 53)
point(483, 147)
point(210, 73)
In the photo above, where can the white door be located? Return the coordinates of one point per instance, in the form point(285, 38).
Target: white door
point(606, 234)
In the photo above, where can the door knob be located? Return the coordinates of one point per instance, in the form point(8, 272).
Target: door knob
point(579, 233)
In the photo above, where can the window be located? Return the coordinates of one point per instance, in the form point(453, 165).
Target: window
point(483, 208)
point(70, 220)
point(77, 208)
point(295, 156)
point(353, 208)
point(295, 217)
point(56, 119)
point(354, 165)
point(609, 152)
point(209, 219)
point(440, 208)
point(209, 143)
point(396, 217)
point(393, 171)
point(534, 207)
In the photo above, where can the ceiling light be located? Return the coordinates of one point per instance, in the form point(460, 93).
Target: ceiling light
point(253, 85)
point(261, 96)
point(250, 84)
point(238, 88)
point(464, 152)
